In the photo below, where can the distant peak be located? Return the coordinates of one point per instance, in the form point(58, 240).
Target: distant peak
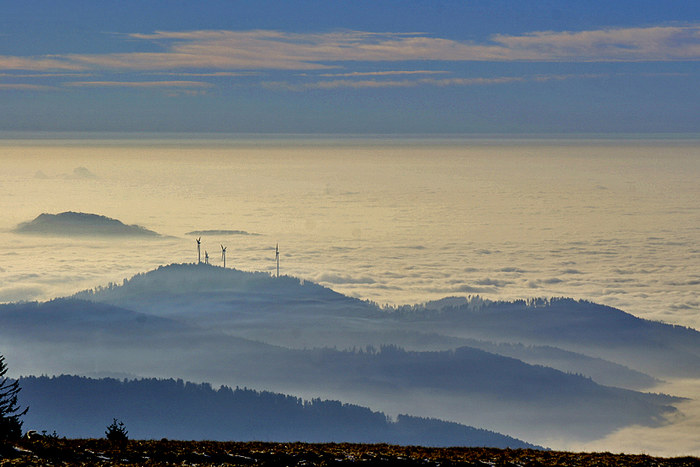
point(71, 223)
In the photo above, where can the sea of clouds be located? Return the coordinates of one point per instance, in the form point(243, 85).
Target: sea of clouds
point(396, 222)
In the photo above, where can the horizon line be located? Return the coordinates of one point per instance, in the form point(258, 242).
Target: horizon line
point(97, 135)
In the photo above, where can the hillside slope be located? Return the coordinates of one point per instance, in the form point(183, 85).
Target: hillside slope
point(153, 409)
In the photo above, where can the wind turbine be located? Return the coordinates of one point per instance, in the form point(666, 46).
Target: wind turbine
point(223, 255)
point(206, 257)
point(277, 257)
point(199, 254)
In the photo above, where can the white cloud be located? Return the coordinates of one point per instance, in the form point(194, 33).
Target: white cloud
point(21, 293)
point(472, 81)
point(677, 438)
point(405, 83)
point(382, 73)
point(201, 55)
point(37, 63)
point(141, 84)
point(624, 44)
point(341, 83)
point(266, 49)
point(212, 74)
point(23, 87)
point(276, 49)
point(41, 75)
point(343, 279)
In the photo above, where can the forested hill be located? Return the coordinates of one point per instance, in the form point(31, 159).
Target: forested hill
point(274, 310)
point(466, 360)
point(155, 408)
point(183, 289)
point(81, 224)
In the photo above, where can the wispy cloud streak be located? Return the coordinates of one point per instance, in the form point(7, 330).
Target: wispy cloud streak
point(265, 49)
point(23, 87)
point(624, 44)
point(141, 84)
point(382, 73)
point(214, 74)
point(37, 63)
point(405, 83)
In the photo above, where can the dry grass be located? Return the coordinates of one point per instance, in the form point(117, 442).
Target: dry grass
point(77, 452)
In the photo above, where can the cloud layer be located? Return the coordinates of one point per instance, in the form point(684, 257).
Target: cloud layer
point(218, 53)
point(264, 49)
point(398, 223)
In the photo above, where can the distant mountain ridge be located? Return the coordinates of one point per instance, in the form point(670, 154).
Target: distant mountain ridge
point(601, 331)
point(469, 361)
point(152, 408)
point(261, 307)
point(71, 223)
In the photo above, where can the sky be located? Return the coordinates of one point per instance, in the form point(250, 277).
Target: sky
point(351, 67)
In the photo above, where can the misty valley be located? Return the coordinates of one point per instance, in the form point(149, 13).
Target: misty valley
point(283, 359)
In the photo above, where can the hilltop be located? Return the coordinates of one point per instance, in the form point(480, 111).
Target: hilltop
point(81, 224)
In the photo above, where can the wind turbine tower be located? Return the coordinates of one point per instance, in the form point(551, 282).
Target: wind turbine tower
point(199, 254)
point(223, 255)
point(277, 257)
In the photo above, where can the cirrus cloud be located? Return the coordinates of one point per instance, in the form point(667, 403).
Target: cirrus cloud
point(660, 43)
point(141, 84)
point(8, 62)
point(275, 49)
point(406, 83)
point(23, 87)
point(355, 74)
point(269, 49)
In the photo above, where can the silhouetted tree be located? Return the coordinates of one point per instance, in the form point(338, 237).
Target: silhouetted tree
point(116, 432)
point(10, 412)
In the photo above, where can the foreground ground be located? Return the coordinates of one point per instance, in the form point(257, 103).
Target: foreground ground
point(53, 451)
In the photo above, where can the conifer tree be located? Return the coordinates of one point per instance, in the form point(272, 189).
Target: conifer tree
point(10, 412)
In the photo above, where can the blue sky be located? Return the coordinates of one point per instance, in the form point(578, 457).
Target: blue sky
point(378, 66)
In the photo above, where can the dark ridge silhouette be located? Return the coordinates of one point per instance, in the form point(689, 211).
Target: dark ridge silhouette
point(81, 224)
point(155, 408)
point(221, 232)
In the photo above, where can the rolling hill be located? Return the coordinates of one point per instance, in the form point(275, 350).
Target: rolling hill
point(471, 362)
